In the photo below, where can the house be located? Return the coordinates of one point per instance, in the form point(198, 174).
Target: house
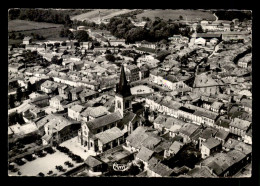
point(15, 67)
point(23, 130)
point(210, 146)
point(58, 129)
point(140, 137)
point(74, 112)
point(208, 36)
point(87, 94)
point(27, 40)
point(222, 123)
point(41, 100)
point(201, 172)
point(147, 44)
point(179, 39)
point(248, 137)
point(144, 155)
point(36, 112)
point(56, 102)
point(200, 41)
point(222, 136)
point(116, 42)
point(247, 105)
point(74, 93)
point(187, 130)
point(206, 134)
point(86, 45)
point(228, 36)
point(175, 148)
point(133, 71)
point(109, 139)
point(216, 106)
point(94, 164)
point(76, 66)
point(226, 164)
point(239, 127)
point(159, 170)
point(49, 87)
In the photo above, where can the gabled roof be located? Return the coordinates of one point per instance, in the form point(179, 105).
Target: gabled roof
point(161, 169)
point(104, 120)
point(92, 161)
point(144, 154)
point(208, 133)
point(109, 135)
point(188, 129)
point(201, 172)
point(211, 143)
point(176, 147)
point(241, 124)
point(222, 134)
point(77, 108)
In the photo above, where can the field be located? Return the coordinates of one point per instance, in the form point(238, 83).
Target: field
point(23, 25)
point(193, 15)
point(104, 13)
point(48, 30)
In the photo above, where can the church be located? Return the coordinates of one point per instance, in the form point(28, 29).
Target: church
point(110, 130)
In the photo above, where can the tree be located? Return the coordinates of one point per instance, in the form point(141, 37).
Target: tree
point(68, 22)
point(11, 101)
point(56, 45)
point(199, 28)
point(55, 60)
point(110, 58)
point(81, 36)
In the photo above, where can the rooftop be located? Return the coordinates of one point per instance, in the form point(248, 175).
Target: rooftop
point(109, 135)
point(211, 143)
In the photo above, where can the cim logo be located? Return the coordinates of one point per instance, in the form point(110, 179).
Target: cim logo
point(120, 167)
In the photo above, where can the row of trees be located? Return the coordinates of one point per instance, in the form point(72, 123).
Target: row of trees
point(40, 15)
point(153, 31)
point(230, 15)
point(20, 36)
point(80, 35)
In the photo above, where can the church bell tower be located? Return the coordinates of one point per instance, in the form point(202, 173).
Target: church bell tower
point(123, 97)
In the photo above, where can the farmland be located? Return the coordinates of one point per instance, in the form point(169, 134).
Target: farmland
point(48, 30)
point(23, 25)
point(192, 15)
point(104, 13)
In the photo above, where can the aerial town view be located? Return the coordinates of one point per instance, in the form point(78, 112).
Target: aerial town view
point(129, 93)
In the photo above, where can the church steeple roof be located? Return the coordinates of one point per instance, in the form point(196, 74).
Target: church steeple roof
point(122, 87)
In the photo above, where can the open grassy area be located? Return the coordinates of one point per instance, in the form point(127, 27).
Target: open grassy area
point(104, 13)
point(167, 14)
point(23, 25)
point(48, 30)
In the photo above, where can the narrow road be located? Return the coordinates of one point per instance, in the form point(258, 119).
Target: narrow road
point(216, 17)
point(202, 60)
point(17, 108)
